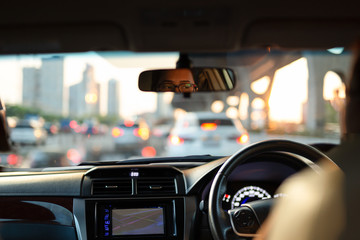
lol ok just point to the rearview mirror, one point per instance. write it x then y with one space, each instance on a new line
187 80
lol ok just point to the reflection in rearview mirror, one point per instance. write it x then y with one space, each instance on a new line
187 80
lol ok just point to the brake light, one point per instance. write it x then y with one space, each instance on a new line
53 129
176 140
73 124
244 138
148 152
117 132
129 123
143 133
12 159
74 156
208 126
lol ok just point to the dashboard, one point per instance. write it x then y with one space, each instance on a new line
142 201
255 181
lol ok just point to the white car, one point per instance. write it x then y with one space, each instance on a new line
197 133
28 133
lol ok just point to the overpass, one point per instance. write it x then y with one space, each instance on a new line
250 66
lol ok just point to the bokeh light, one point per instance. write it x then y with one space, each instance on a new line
261 85
232 101
232 112
217 106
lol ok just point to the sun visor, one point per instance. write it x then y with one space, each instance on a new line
61 38
301 33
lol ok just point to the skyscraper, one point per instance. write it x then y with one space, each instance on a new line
113 98
52 85
84 97
43 88
31 90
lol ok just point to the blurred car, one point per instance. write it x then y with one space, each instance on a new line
28 132
130 137
206 133
159 133
89 128
48 158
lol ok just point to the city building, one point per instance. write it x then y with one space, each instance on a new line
38 81
84 97
113 98
31 90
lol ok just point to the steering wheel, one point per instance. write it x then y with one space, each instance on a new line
245 220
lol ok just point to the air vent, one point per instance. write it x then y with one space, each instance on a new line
112 187
156 186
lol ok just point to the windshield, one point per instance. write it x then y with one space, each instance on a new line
87 106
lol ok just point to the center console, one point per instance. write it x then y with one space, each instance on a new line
131 202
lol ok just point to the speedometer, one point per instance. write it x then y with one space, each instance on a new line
248 194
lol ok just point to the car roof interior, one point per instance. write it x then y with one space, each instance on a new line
187 26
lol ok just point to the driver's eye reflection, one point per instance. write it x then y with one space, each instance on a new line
182 87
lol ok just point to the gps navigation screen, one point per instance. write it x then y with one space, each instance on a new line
137 221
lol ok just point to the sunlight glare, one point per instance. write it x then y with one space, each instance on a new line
289 92
333 83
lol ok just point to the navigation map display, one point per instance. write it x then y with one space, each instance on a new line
137 221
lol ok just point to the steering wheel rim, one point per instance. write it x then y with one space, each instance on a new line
219 220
